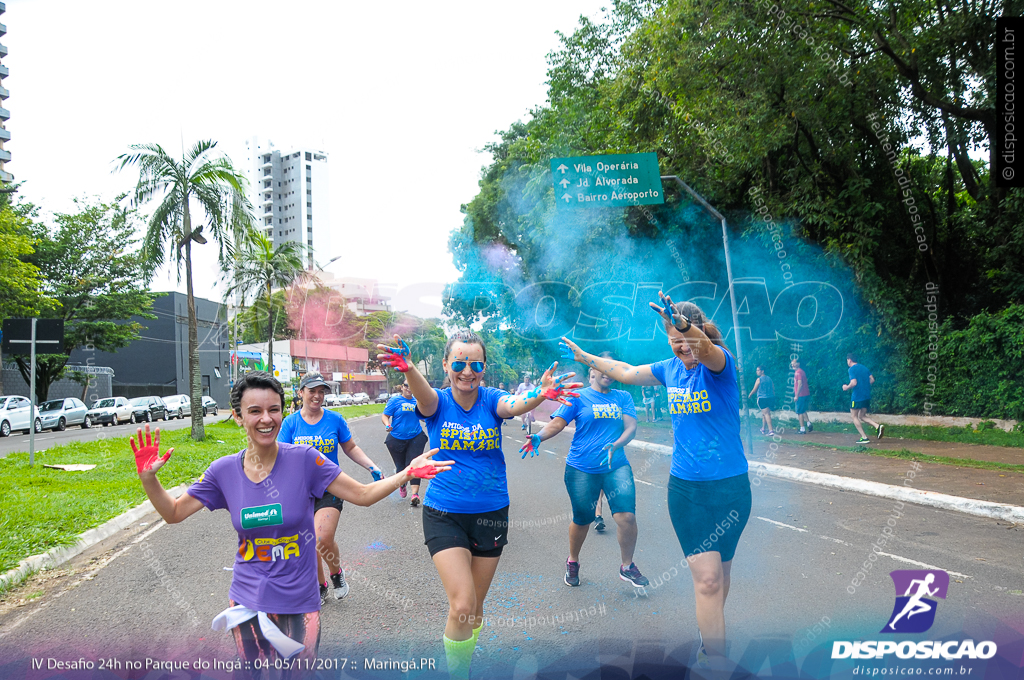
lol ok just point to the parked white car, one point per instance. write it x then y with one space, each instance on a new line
360 398
57 414
345 399
14 415
178 406
332 400
112 410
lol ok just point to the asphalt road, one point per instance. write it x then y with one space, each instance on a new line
18 442
802 547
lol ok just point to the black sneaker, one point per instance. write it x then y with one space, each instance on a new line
810 428
863 440
599 524
323 594
633 575
880 428
572 573
340 587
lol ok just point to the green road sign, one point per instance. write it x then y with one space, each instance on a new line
617 180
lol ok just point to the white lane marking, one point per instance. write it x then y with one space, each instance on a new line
895 557
788 526
550 451
517 441
835 540
922 564
647 483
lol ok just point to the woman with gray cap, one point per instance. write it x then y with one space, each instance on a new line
326 431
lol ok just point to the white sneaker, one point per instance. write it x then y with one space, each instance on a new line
340 585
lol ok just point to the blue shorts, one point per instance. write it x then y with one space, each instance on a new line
801 404
866 404
585 488
709 516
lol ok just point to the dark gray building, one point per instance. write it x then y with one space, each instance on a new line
157 363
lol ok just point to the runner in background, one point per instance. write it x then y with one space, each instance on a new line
269 489
605 422
802 397
765 389
598 519
465 521
325 431
406 439
860 384
708 489
647 393
524 387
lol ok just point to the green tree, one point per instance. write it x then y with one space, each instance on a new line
853 122
253 319
19 278
219 190
89 265
259 267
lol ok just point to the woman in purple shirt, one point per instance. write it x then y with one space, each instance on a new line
269 488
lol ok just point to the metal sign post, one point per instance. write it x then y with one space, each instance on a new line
16 334
732 299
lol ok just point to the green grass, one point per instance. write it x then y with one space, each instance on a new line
358 410
43 508
932 433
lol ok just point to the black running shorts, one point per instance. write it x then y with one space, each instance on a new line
483 534
328 500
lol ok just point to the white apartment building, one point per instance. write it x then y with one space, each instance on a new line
288 192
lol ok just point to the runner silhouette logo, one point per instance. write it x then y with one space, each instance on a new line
914 611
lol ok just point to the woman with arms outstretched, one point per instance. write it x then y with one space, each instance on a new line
269 487
708 486
465 513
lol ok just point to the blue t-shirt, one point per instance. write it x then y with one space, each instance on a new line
598 422
405 424
476 483
705 410
862 390
326 436
765 388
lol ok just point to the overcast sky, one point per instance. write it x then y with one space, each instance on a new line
402 96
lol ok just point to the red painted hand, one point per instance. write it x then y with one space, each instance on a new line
425 468
395 356
147 453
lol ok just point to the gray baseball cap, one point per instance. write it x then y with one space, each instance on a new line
312 380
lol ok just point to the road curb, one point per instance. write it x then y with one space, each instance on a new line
58 556
970 506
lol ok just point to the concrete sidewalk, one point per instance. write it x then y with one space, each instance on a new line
997 486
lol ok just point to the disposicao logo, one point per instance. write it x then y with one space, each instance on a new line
914 612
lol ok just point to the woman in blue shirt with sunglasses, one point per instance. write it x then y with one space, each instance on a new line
465 521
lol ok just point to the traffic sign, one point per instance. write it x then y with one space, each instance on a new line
616 180
17 336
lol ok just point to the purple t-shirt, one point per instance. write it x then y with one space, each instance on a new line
275 564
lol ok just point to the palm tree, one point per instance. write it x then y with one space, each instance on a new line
259 267
220 192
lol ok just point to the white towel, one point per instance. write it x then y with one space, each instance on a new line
232 616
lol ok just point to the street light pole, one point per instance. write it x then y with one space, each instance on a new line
732 299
